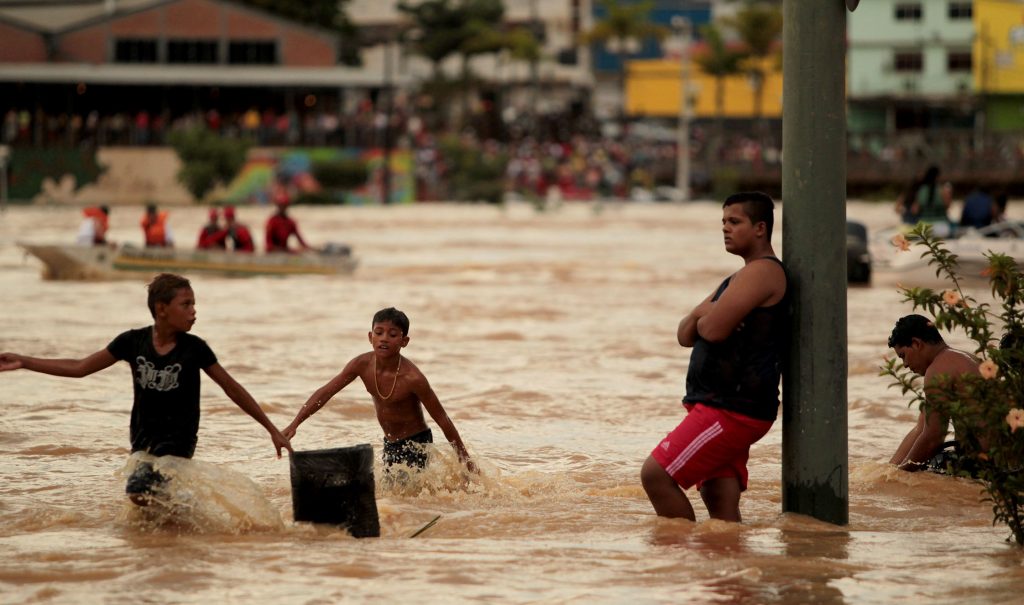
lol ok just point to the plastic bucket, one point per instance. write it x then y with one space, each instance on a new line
336 486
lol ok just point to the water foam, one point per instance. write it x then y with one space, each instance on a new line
200 497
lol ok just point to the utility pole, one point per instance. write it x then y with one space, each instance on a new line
5 154
815 466
389 106
684 29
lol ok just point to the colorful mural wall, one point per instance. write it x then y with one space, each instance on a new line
268 171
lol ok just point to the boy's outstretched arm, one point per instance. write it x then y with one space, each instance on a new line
244 400
72 368
322 395
430 401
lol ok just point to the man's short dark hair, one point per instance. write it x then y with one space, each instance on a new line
758 207
163 289
393 315
914 326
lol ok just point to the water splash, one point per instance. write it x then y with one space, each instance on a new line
200 497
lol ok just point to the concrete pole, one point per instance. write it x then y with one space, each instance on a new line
5 153
684 29
389 109
814 431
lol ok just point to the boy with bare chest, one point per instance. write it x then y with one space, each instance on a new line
399 391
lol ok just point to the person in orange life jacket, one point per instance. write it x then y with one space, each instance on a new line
212 235
239 234
155 229
93 230
280 228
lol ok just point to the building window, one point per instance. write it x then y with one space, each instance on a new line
908 62
192 51
960 10
958 61
908 11
133 50
256 52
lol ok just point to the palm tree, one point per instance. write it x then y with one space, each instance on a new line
433 32
522 45
759 26
623 26
720 61
443 28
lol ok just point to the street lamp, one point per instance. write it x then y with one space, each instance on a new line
5 153
684 32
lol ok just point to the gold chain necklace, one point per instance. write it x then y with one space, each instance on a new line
393 384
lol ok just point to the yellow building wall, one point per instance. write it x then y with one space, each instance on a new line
998 53
653 89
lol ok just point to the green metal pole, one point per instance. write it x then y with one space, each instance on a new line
814 430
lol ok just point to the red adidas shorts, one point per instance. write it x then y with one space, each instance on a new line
710 443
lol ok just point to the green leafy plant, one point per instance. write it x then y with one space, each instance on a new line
986 410
476 175
207 159
337 177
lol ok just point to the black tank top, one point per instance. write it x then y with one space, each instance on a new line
741 373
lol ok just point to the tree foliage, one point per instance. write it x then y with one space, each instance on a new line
207 159
624 21
718 60
759 27
325 14
439 29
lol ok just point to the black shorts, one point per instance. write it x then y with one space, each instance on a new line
410 451
144 480
951 461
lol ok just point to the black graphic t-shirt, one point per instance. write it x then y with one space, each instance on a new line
165 414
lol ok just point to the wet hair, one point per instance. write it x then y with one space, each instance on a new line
393 315
910 327
758 207
163 289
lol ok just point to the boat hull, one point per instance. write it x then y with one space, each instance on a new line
71 262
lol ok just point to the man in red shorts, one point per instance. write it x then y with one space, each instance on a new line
738 334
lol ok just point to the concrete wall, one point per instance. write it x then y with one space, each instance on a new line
133 175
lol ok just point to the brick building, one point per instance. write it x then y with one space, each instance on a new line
70 59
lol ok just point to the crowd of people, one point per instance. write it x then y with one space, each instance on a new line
582 162
263 126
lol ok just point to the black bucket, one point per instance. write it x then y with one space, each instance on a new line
336 486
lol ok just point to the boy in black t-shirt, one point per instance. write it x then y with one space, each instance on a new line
165 361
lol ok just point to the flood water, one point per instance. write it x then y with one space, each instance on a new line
550 340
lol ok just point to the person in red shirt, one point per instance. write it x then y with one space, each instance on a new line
239 234
281 227
212 236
